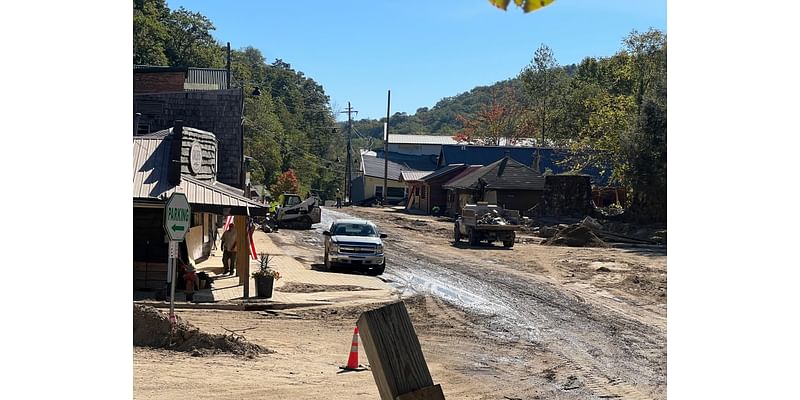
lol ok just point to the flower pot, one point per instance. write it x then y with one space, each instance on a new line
264 286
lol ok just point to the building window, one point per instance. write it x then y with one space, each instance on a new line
395 192
422 192
378 191
142 128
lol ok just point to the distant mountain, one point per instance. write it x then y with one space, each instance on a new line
442 118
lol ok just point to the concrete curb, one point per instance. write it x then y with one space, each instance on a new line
232 307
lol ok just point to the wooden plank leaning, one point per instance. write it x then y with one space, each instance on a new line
395 355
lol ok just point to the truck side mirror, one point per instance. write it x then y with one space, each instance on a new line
383 236
326 233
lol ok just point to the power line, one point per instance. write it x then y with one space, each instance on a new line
286 143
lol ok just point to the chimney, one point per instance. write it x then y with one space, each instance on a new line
228 68
175 153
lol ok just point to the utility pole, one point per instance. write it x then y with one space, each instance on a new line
386 149
228 67
348 170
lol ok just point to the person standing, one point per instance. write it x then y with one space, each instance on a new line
229 251
338 199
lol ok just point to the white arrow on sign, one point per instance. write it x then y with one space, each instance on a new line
177 216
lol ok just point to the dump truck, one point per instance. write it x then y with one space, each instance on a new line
486 222
297 213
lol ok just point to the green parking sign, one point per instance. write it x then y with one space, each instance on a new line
177 216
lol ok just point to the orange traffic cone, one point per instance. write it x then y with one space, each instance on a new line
352 360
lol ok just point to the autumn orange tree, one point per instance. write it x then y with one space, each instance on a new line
496 123
286 183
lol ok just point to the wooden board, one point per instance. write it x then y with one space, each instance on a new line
428 393
393 350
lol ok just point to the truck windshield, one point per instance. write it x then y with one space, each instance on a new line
354 230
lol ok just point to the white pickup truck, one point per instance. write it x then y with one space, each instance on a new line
355 243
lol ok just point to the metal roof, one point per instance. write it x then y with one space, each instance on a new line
151 161
464 172
421 139
373 165
551 158
505 173
414 162
413 175
450 169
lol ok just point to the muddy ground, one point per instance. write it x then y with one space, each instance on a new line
528 322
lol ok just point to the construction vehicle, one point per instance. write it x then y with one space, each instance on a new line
296 213
486 222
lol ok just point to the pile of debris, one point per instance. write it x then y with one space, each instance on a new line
586 233
152 328
492 217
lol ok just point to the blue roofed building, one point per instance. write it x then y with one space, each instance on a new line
552 160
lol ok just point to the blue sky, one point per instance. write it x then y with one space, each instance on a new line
422 51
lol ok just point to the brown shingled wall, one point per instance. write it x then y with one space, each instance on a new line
158 82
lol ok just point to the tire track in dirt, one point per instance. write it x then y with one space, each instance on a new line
608 348
599 346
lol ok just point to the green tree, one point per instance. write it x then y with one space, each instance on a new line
149 32
190 42
545 84
618 108
645 146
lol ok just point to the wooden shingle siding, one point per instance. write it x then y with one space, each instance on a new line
208 143
217 111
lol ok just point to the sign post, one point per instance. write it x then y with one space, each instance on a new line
177 221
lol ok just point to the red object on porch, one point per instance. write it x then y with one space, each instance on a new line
252 245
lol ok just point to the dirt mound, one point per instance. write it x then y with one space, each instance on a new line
151 328
575 236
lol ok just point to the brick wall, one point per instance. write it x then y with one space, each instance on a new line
215 111
156 82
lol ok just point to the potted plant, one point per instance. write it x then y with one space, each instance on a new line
265 276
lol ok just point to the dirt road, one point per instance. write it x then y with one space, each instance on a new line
599 314
528 322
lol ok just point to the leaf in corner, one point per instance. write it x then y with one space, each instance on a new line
533 5
502 4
